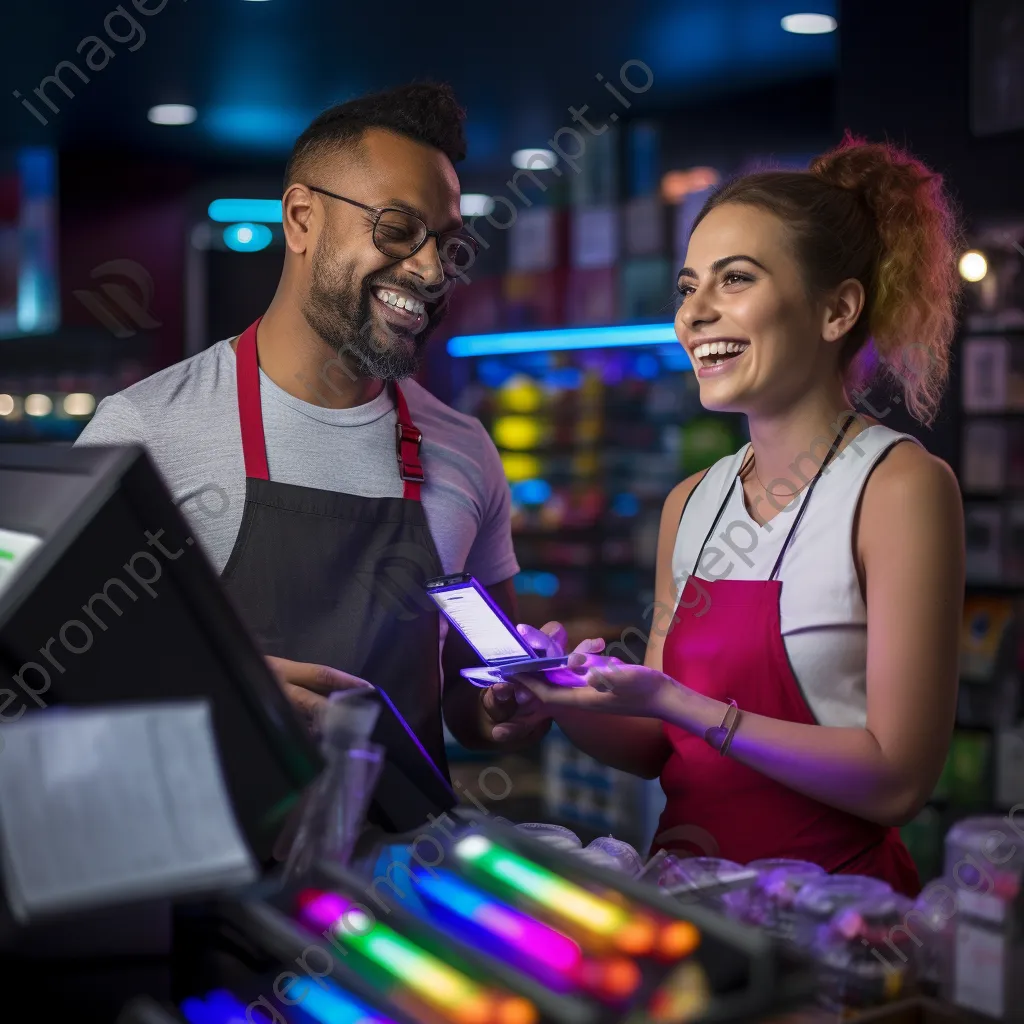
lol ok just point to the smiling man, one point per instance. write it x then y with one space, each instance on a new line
338 490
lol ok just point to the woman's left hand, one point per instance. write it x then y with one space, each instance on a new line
611 686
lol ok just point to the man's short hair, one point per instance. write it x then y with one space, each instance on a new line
426 112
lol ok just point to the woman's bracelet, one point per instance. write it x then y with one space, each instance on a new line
720 736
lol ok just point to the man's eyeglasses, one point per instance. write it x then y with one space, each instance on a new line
400 235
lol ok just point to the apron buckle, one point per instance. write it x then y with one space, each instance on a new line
409 467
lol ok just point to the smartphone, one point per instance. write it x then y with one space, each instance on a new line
470 609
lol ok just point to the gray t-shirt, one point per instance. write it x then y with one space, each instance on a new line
187 418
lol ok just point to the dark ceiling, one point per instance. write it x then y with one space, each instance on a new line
259 71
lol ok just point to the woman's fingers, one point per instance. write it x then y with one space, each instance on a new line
548 642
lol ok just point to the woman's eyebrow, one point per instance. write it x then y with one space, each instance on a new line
719 265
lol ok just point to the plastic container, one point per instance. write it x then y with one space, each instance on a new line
710 881
821 899
558 836
866 954
335 806
618 855
769 903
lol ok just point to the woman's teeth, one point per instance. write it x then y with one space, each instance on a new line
400 301
713 352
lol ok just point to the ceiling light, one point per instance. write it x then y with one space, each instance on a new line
172 113
973 266
6 405
809 24
476 204
534 159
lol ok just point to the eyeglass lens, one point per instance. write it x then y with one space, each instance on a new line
398 234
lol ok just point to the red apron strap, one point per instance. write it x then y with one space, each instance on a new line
409 440
250 412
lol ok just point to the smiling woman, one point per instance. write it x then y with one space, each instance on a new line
805 708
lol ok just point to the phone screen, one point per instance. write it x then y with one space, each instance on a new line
482 627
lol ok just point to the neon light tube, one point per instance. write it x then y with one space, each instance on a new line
561 340
544 886
535 939
332 1006
228 211
434 981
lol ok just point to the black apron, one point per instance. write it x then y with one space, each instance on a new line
337 579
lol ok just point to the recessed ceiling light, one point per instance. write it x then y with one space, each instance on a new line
809 24
534 159
476 204
172 113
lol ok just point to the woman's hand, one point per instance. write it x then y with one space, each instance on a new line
611 686
515 712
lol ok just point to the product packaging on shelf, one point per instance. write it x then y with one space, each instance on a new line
984 867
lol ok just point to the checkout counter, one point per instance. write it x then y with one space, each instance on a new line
140 885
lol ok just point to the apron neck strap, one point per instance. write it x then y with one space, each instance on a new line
409 440
250 414
250 411
807 497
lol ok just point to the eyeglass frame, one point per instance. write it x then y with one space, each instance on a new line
379 212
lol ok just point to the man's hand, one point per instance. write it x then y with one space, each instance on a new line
307 686
508 720
514 712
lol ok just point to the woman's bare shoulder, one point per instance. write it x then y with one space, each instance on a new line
677 497
910 481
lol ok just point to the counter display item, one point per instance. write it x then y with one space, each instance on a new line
821 899
865 955
501 927
983 871
769 900
710 881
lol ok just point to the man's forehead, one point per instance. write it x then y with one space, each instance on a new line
402 167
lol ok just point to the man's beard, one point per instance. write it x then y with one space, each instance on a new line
338 309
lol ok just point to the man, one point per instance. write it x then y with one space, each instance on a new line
339 491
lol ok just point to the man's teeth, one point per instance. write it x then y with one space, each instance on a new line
400 301
717 351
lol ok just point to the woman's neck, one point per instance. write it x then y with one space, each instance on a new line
789 447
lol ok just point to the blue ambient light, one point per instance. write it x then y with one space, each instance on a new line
226 211
562 340
247 237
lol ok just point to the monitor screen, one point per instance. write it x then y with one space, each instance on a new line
105 598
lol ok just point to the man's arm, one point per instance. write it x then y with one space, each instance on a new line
472 712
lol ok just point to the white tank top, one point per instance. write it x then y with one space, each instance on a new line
824 618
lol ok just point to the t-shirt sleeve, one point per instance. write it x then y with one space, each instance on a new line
116 421
492 557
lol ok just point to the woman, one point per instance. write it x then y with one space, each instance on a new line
799 688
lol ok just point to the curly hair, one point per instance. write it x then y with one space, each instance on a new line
873 212
425 112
